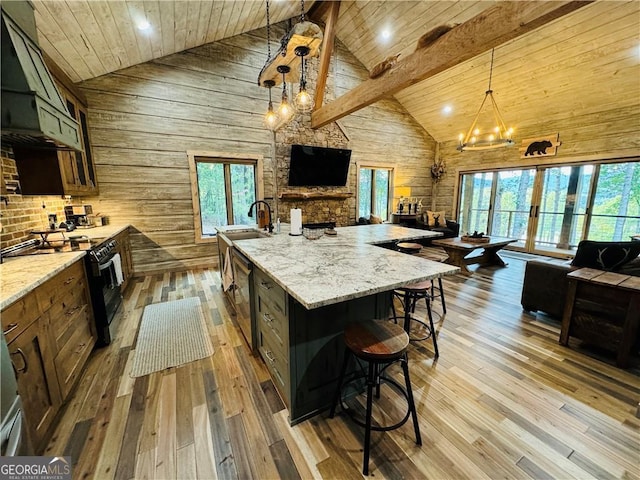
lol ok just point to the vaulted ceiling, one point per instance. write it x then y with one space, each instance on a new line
583 63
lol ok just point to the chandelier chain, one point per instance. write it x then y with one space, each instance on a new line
302 12
268 33
491 69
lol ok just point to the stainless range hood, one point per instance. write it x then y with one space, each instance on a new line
33 112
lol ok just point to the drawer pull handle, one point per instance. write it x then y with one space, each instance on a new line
270 356
69 280
266 285
267 317
24 361
10 328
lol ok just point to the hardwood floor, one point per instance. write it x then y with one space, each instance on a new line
504 400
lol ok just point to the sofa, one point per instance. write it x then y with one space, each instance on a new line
451 230
545 281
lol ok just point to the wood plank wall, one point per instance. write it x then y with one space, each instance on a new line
144 118
609 134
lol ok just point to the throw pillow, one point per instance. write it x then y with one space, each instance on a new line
374 219
436 219
607 256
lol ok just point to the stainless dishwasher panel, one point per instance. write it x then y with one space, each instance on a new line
243 294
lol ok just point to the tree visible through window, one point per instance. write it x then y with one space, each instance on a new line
373 192
225 190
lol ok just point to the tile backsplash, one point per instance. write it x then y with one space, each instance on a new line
21 214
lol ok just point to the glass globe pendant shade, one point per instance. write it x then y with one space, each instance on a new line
271 117
303 101
285 109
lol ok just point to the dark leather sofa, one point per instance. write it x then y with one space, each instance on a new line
545 281
450 231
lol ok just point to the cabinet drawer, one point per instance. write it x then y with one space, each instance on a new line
62 315
17 317
267 287
73 354
54 289
270 319
276 364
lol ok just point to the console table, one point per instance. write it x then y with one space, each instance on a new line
602 308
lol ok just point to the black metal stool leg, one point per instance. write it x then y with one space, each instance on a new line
444 305
407 312
412 405
367 432
433 330
336 397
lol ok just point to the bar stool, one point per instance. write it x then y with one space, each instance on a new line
409 296
380 344
412 249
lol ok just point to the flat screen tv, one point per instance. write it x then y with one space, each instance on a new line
318 166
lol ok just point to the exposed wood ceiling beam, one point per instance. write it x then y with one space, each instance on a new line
327 50
492 27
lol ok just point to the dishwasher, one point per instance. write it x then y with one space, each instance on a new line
243 293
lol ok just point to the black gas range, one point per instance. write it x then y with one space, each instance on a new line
104 274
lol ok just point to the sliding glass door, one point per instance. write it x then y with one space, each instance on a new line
560 213
550 209
497 203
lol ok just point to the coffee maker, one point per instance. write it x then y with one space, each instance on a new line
80 215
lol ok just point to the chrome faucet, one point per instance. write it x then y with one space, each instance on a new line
270 214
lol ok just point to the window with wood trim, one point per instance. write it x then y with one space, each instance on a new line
222 189
374 191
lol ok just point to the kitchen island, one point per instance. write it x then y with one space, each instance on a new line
304 293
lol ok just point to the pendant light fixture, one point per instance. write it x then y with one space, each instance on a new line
304 102
271 117
499 137
285 110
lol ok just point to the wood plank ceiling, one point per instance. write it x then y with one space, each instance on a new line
580 64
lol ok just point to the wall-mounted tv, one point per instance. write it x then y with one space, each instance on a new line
318 166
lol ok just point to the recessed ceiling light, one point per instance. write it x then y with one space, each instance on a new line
386 34
144 25
447 109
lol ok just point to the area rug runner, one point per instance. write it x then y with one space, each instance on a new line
171 334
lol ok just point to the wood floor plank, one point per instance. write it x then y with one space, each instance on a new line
203 443
128 448
167 443
184 406
243 457
186 468
225 464
108 459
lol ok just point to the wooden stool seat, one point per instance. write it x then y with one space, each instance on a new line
408 247
425 285
376 340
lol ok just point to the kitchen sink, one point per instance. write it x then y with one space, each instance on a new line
245 234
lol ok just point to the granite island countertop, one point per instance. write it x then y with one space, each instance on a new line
333 269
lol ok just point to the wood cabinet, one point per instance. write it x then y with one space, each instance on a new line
50 333
302 348
124 249
32 358
52 172
603 309
272 323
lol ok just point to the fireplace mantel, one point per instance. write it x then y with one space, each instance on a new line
315 195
